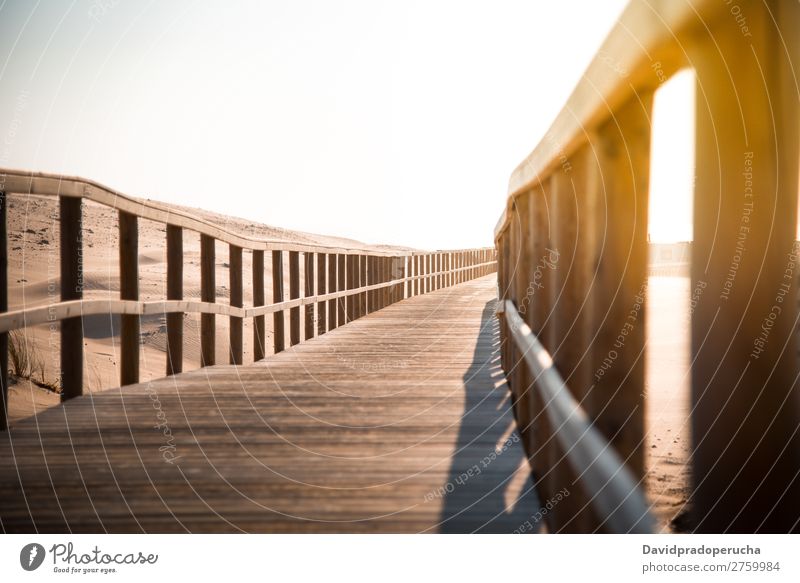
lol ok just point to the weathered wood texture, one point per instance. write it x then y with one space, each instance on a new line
174 292
208 323
593 170
70 223
259 325
236 291
129 290
3 308
375 427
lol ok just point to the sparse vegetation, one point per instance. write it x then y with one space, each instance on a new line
27 362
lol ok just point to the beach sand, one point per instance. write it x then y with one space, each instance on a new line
668 439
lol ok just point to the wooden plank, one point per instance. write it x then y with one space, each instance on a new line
308 260
574 225
745 418
341 309
174 292
348 462
130 327
71 259
278 330
208 293
648 32
618 496
351 284
294 293
415 272
236 300
3 309
259 331
616 400
322 307
362 281
333 285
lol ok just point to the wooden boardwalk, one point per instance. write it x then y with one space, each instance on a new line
397 422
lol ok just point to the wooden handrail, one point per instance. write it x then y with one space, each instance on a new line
572 249
341 284
50 184
617 495
648 32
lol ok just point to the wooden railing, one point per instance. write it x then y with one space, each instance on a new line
572 249
341 284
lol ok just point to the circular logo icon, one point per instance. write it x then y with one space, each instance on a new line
31 556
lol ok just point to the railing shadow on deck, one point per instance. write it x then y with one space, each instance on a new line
482 493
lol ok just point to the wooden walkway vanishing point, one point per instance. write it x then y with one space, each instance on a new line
399 421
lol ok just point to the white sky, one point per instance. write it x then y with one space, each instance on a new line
386 122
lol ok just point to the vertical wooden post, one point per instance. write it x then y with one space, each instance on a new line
208 293
351 280
278 324
70 224
746 403
370 279
531 416
341 273
332 287
237 301
129 290
428 271
362 298
322 312
174 292
573 206
401 268
616 401
416 274
259 335
308 259
3 308
387 277
294 293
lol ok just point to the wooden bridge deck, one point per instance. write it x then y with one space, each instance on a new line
398 422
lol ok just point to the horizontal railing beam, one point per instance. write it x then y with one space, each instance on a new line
16 319
608 482
49 184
